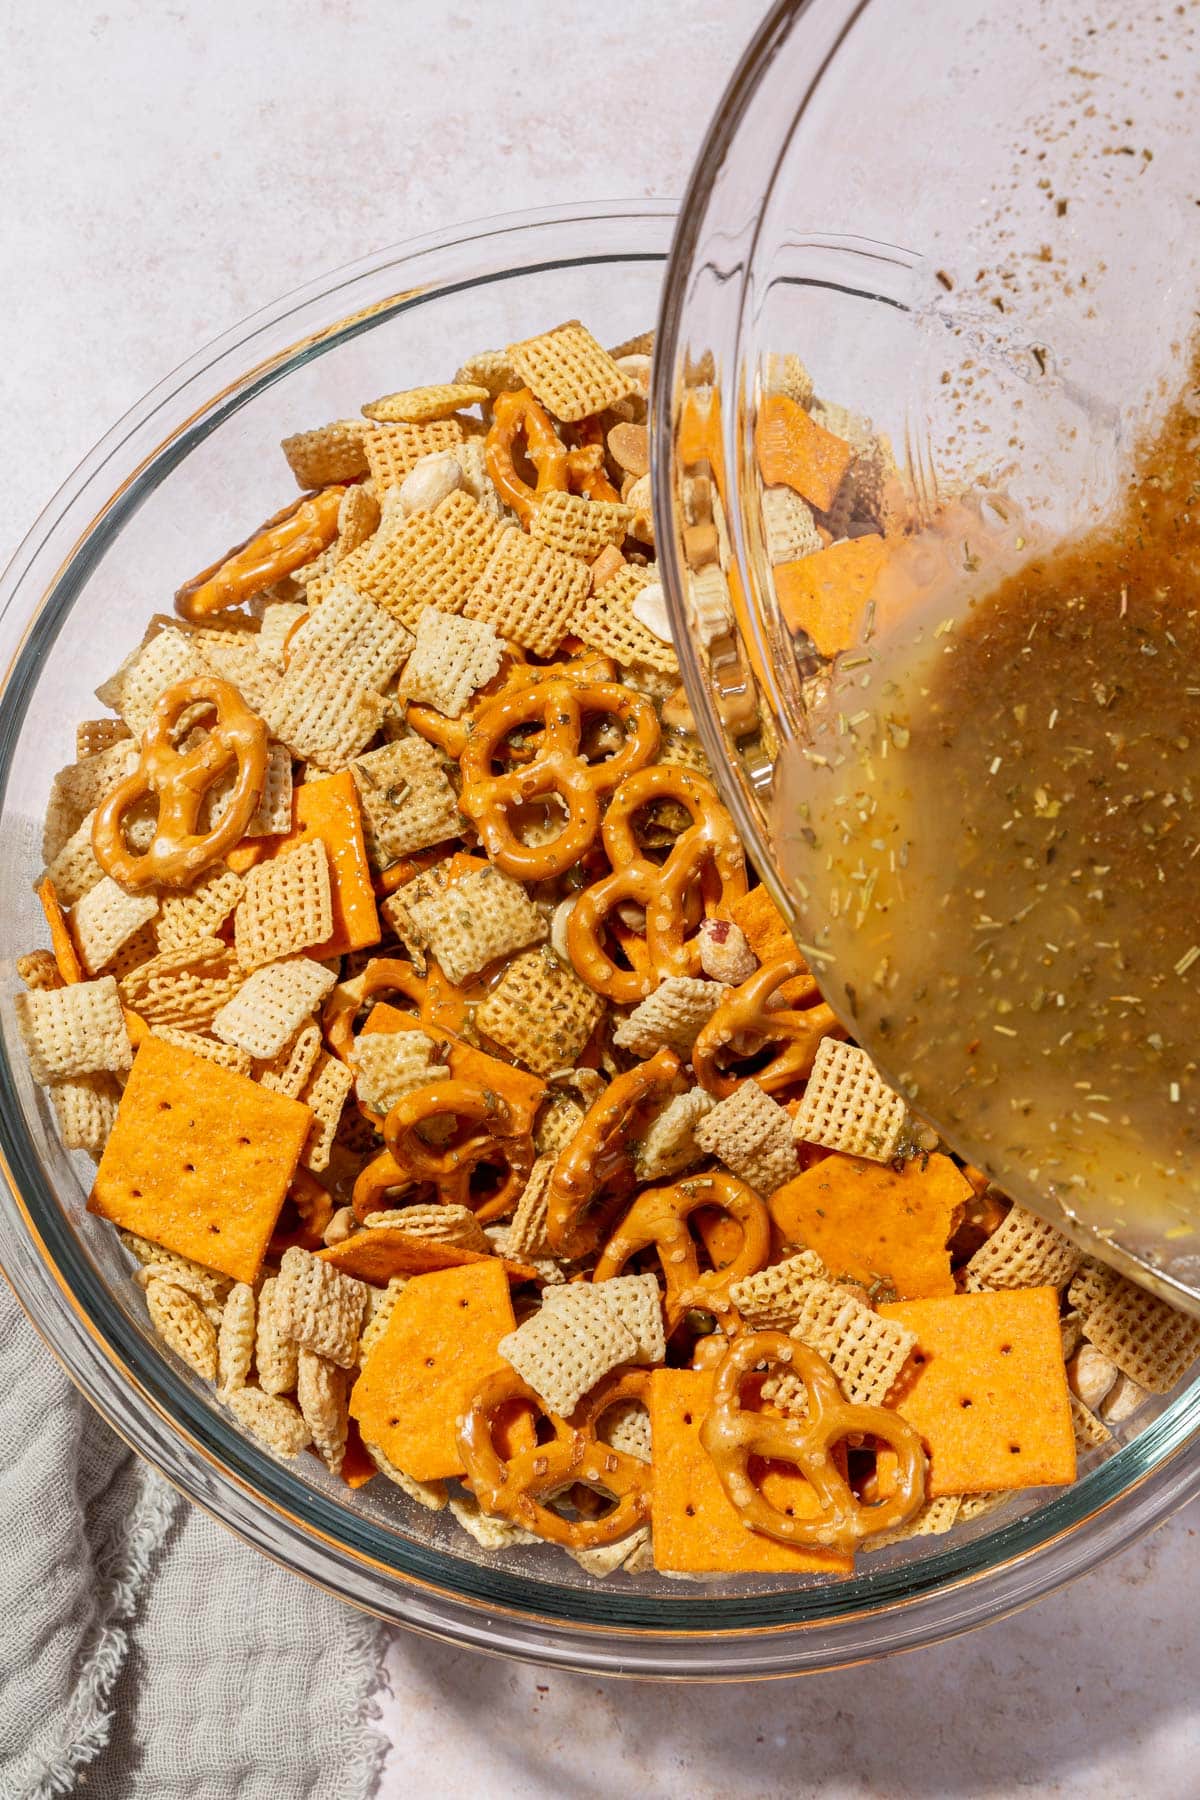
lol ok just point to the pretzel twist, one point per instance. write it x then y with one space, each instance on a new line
516 1486
747 1015
518 418
180 781
704 872
286 542
558 768
659 1218
487 1130
598 1162
732 1437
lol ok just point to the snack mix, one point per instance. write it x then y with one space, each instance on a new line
468 1114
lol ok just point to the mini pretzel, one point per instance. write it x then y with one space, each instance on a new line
558 768
518 417
659 1217
732 1437
704 871
286 542
488 1131
516 1487
382 975
747 1014
599 1157
179 781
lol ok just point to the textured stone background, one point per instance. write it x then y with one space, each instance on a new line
168 168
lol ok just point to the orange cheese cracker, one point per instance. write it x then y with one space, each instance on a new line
826 594
696 1529
199 1159
61 941
764 925
888 1229
381 1251
988 1390
794 451
328 809
419 1377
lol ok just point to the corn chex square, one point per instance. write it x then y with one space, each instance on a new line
1152 1343
393 451
226 1056
633 1299
75 870
848 1106
776 1297
106 918
1024 1251
288 1072
606 621
752 1136
199 912
184 986
328 454
86 1108
269 1008
530 594
569 372
285 905
576 526
417 406
865 1352
168 657
236 657
790 529
540 1012
73 1031
473 526
481 918
319 1307
273 814
527 1229
452 658
77 791
95 735
325 1094
390 1064
279 621
672 1016
671 1141
324 722
563 1354
405 798
349 632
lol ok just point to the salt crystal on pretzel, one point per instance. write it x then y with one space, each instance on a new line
417 406
848 1106
1152 1343
73 1031
235 1338
319 1308
633 1299
285 906
349 632
452 658
271 1005
327 455
867 1353
527 1228
569 372
529 593
324 722
274 1421
1024 1252
390 1064
539 1012
606 620
325 1094
86 1109
181 1324
184 986
226 1056
288 1072
577 526
481 918
752 1136
672 1015
199 911
105 918
321 1394
75 870
789 525
563 1353
775 1298
393 450
275 1355
670 1142
406 800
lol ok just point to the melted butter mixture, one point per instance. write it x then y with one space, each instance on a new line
994 835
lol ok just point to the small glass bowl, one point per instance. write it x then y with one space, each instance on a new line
181 477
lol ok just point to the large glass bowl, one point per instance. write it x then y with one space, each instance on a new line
180 478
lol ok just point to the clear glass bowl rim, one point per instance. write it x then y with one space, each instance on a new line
606 1631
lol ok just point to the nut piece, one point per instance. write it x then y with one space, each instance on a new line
629 446
342 1225
1123 1399
638 496
650 609
725 953
429 481
1091 1375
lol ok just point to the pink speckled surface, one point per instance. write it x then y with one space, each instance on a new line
168 169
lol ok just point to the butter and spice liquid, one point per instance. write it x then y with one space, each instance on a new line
994 834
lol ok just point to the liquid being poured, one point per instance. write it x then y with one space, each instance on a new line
994 837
